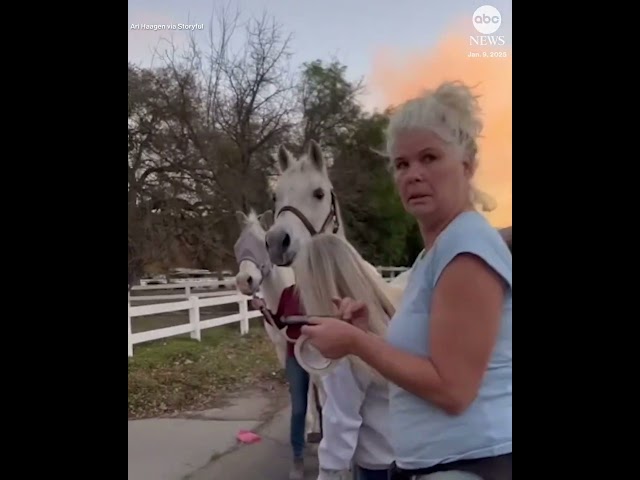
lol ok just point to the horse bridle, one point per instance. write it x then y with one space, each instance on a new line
332 216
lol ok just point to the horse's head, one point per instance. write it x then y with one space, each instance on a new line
250 251
305 204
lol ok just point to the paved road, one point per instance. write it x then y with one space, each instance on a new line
267 460
202 445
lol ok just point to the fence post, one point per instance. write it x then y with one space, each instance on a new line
129 336
244 314
194 317
187 291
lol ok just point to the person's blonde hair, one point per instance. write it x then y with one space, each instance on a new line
453 112
328 267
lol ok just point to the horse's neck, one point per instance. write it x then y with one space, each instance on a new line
373 269
341 231
273 285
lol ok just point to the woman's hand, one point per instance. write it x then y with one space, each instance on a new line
257 303
332 337
353 311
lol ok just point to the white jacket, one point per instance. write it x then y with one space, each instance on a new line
355 420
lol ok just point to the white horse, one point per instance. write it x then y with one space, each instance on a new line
306 205
257 274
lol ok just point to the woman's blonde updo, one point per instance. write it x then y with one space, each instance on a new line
453 112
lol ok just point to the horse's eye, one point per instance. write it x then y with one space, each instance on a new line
318 193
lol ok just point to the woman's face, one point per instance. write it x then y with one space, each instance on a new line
430 174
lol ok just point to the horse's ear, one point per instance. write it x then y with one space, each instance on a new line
241 217
284 158
316 156
266 219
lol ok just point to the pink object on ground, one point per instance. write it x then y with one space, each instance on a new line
246 436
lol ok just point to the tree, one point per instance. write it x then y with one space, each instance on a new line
328 103
245 106
201 129
157 166
377 222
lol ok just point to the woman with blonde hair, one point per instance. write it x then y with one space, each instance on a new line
447 351
355 413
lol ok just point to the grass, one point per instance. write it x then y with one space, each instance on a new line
177 374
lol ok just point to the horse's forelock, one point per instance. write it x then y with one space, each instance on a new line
307 163
252 224
252 217
298 165
301 168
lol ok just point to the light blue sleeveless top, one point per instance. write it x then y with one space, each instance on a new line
422 434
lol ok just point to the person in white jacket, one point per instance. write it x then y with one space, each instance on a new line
355 426
355 414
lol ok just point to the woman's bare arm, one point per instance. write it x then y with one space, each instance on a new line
465 318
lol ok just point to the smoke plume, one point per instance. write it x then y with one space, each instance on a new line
398 77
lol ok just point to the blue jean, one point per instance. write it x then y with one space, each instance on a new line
298 380
366 474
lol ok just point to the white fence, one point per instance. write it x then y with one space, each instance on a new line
184 290
196 324
391 271
194 301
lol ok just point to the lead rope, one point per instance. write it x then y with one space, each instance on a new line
267 315
297 344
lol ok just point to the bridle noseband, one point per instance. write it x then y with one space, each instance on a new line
332 216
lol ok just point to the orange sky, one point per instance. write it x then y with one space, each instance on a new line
397 77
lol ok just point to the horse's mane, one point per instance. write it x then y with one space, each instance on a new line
327 267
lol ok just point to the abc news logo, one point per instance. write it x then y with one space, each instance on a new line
487 20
